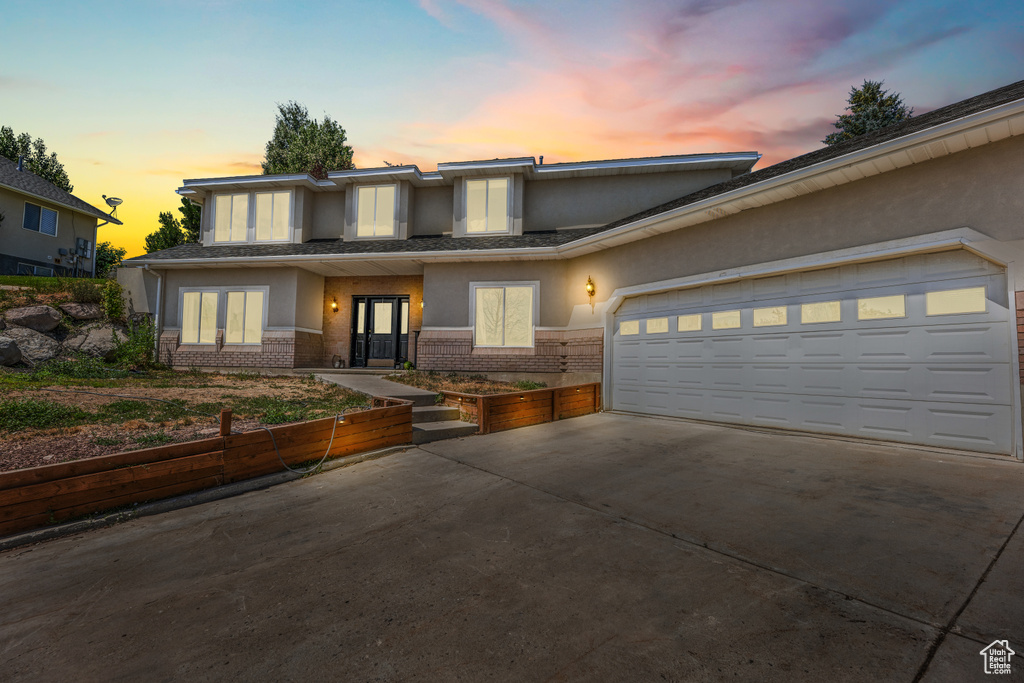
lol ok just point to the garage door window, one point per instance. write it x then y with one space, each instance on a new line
882 307
627 328
769 317
725 320
820 312
955 301
689 323
657 326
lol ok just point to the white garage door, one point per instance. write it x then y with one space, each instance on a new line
915 349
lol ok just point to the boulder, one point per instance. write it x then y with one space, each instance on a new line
9 351
38 318
82 311
35 347
96 340
3 325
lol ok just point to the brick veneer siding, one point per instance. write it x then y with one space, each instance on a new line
1020 332
279 349
338 326
553 351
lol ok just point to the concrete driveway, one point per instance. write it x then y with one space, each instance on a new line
606 547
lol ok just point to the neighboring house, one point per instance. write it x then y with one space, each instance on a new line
863 289
45 230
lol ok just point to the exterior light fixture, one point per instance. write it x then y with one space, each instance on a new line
591 291
334 304
421 303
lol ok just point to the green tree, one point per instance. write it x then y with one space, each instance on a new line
190 220
44 165
870 108
168 235
303 145
107 256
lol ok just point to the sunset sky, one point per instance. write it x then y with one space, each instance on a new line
136 96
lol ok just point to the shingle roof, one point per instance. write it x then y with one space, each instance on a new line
957 110
421 244
29 182
413 245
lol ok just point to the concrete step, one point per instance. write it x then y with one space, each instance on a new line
419 400
447 429
421 414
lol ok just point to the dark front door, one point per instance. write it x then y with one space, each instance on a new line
380 331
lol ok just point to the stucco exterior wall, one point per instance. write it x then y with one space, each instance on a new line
432 210
328 215
40 249
282 302
309 300
595 201
979 189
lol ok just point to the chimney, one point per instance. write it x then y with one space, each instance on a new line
21 163
541 160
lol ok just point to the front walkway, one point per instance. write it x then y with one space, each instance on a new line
605 547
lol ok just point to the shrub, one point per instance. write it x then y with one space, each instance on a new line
18 414
136 351
78 366
528 385
113 301
84 291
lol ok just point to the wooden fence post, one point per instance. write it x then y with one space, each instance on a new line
225 422
556 408
483 410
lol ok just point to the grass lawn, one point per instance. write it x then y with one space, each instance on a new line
45 416
471 384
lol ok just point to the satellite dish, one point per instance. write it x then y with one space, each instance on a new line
113 202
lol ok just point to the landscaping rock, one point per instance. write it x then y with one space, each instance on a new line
96 340
37 318
82 311
9 351
3 325
35 347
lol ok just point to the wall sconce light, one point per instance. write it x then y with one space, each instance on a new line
421 303
591 291
334 304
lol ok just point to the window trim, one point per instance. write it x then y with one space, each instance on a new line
181 315
38 230
289 229
395 211
250 212
535 284
510 191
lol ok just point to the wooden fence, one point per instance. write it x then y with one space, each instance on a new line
498 412
37 496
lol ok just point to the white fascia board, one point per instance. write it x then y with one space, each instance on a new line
255 181
957 126
725 160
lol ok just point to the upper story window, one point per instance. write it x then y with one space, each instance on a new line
40 219
273 215
231 218
487 205
375 211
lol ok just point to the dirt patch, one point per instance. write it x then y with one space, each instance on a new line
464 384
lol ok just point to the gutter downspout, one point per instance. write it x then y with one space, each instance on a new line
159 309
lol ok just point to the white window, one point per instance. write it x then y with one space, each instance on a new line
231 218
199 317
487 205
656 325
769 317
881 307
40 219
273 215
955 301
820 312
627 328
375 211
29 269
243 323
688 323
503 315
725 320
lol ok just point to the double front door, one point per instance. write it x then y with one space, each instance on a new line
380 331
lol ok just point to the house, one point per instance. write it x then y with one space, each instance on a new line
864 289
44 230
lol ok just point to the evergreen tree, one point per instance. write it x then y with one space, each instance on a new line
303 145
870 108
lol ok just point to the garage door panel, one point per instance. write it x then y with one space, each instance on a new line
941 379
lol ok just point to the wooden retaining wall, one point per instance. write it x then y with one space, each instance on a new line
37 496
498 412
